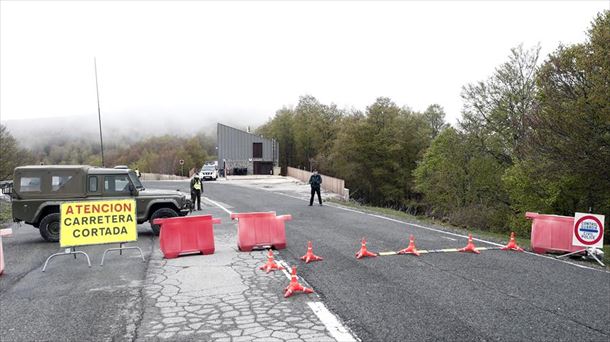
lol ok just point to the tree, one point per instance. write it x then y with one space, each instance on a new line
459 182
315 127
11 155
569 142
376 152
435 116
281 129
495 110
305 134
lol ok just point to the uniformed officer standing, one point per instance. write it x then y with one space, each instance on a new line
196 190
315 180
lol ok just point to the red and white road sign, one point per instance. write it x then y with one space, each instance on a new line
588 230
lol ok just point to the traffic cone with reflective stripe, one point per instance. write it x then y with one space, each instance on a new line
469 247
411 248
309 256
294 285
512 244
271 265
363 252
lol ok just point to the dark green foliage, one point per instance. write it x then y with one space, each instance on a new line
462 183
281 129
539 138
376 153
305 134
11 155
435 116
566 154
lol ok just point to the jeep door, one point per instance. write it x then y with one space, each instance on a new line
120 186
116 186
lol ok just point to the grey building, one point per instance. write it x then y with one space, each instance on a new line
241 152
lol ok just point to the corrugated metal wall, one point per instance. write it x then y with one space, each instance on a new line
235 147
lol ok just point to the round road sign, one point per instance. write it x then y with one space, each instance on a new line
588 230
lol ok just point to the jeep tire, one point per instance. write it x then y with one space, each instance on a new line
49 227
161 213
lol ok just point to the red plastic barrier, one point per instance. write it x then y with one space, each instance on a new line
552 233
186 235
3 232
262 230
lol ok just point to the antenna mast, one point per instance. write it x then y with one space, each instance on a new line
99 115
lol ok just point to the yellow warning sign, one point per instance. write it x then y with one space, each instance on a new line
97 222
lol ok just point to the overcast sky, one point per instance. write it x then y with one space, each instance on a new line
249 59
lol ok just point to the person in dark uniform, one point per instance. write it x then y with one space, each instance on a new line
196 191
314 181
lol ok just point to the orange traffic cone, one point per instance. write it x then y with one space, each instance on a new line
363 252
411 249
512 244
294 285
309 256
271 265
469 247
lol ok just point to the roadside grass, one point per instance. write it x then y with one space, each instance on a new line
496 237
6 216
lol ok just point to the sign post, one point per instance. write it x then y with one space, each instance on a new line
97 222
588 232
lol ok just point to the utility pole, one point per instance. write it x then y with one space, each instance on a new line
99 114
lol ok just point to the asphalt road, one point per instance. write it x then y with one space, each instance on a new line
70 301
503 296
497 295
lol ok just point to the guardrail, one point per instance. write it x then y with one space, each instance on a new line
330 184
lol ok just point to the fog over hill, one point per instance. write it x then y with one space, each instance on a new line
121 128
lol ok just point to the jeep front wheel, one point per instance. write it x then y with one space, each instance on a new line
161 213
49 227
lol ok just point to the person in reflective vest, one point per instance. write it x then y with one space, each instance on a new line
196 190
138 173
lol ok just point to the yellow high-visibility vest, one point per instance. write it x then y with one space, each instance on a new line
197 185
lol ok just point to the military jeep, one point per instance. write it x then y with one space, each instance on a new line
39 190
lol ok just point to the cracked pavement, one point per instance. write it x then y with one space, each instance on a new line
495 296
224 297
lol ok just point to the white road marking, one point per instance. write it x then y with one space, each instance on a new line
433 229
218 205
337 330
287 269
347 209
481 240
448 238
445 232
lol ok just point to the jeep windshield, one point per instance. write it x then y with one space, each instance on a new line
208 168
135 180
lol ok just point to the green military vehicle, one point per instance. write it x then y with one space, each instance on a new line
39 190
